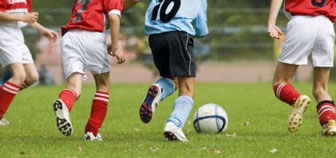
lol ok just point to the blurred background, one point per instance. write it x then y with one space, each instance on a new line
238 48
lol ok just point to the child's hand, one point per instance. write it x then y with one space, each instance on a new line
274 31
50 34
30 17
118 54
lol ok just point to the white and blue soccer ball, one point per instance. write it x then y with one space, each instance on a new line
210 118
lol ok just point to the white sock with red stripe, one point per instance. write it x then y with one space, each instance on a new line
326 111
7 94
98 112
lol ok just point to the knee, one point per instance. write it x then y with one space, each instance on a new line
19 77
32 78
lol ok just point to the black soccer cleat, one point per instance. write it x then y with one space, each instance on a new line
150 103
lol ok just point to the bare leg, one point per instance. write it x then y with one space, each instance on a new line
32 74
320 84
102 82
186 86
18 73
74 82
284 73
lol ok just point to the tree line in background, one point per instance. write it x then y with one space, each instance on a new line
238 28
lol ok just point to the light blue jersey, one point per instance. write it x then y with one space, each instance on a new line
177 15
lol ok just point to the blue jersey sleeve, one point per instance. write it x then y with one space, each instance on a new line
201 21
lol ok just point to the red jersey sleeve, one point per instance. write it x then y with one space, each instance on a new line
113 6
29 6
3 5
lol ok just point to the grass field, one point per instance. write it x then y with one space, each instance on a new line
257 125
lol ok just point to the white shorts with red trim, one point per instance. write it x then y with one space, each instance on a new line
307 35
84 50
12 47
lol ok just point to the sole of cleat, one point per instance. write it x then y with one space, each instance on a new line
170 136
146 112
295 118
63 125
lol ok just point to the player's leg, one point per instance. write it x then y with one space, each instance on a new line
31 75
73 61
295 51
288 94
98 64
9 89
157 92
99 106
163 87
182 107
325 106
183 66
282 87
63 105
18 75
323 60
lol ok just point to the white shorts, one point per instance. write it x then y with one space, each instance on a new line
12 47
84 50
307 35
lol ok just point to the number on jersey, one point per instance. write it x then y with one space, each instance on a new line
318 3
164 4
85 3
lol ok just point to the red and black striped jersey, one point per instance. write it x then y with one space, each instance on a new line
91 14
312 8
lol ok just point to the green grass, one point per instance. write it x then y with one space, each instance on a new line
32 132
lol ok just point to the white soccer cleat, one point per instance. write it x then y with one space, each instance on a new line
174 133
62 117
89 136
296 116
4 122
329 129
150 103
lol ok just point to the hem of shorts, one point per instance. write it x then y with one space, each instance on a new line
323 65
6 64
171 76
292 63
81 72
101 72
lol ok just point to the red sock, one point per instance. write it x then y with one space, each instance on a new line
286 93
98 112
24 85
326 111
68 96
7 94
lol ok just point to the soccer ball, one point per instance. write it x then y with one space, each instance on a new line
210 118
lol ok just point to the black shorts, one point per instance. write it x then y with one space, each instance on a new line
173 54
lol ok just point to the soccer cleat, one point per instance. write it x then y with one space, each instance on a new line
62 117
174 133
90 137
3 122
150 103
329 129
296 115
